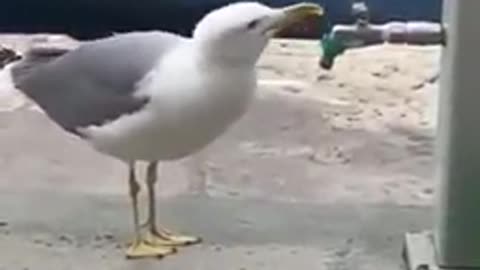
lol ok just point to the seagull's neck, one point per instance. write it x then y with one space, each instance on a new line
208 55
225 73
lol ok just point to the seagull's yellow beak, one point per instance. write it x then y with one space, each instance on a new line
301 10
294 13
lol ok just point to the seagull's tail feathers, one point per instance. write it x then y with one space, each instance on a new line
32 60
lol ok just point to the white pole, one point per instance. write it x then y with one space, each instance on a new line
457 215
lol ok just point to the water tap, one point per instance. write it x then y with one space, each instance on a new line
362 33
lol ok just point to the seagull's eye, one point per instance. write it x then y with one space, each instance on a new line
251 25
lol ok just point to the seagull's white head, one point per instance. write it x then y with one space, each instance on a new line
238 33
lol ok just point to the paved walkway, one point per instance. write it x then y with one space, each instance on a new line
289 187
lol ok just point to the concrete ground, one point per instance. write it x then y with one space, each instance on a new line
328 170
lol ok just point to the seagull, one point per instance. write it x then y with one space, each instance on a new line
153 96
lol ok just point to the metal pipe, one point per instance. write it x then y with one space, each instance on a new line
457 214
413 33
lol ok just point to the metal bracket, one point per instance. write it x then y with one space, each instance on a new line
419 251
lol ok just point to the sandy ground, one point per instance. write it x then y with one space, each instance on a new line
328 169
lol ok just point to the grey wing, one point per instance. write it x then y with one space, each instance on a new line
94 83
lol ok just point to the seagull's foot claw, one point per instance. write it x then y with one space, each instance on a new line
144 249
166 238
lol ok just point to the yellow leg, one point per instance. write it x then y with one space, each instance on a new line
157 235
140 248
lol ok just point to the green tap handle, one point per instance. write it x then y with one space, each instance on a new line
331 48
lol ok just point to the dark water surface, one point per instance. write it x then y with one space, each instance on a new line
90 18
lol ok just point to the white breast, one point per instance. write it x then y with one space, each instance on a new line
189 108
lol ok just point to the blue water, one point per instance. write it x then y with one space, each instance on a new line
339 10
90 16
